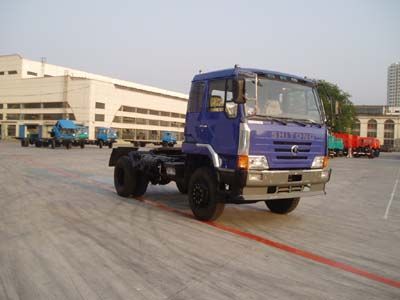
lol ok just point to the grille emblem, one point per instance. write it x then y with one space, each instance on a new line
294 149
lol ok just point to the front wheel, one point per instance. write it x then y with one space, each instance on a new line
101 143
282 206
203 197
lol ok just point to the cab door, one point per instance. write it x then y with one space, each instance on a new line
220 122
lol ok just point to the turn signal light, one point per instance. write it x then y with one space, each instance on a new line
243 162
326 162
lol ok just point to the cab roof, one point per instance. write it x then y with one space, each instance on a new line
67 124
226 73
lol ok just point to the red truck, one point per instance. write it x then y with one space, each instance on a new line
360 146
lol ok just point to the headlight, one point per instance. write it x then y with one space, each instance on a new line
319 162
258 162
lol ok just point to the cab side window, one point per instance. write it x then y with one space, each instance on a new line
196 97
220 98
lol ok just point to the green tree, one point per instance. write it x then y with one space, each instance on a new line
339 110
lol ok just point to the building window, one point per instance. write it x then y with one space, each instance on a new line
141 121
1 105
154 112
100 105
31 105
46 75
1 116
372 128
54 105
13 105
164 123
142 111
128 134
117 119
13 116
128 108
356 127
175 124
141 134
183 116
11 130
154 135
388 133
2 73
31 117
52 117
196 97
32 73
99 117
165 114
71 117
174 115
128 120
154 122
13 72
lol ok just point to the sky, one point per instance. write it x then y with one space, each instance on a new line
165 43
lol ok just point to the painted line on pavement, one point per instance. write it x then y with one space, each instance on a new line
391 196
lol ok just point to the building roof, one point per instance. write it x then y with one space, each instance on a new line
62 71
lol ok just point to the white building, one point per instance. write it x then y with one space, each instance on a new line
36 93
382 122
393 85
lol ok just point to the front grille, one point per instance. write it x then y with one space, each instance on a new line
292 143
290 157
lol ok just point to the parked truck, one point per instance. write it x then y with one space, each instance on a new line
335 146
359 146
63 133
168 139
250 135
106 137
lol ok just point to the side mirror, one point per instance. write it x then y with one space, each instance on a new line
238 88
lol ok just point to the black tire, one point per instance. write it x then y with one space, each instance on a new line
282 206
101 143
68 145
110 145
124 177
82 145
38 144
202 195
53 144
24 143
142 144
140 185
182 187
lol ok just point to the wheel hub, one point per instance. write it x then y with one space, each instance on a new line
200 194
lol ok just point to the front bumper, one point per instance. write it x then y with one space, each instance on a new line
281 184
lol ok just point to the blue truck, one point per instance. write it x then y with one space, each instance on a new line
250 135
63 133
106 137
168 139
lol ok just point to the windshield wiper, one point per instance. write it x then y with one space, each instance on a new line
270 118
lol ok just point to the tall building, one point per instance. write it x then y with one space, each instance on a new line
393 85
37 94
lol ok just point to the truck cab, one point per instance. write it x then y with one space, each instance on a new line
106 136
168 139
250 135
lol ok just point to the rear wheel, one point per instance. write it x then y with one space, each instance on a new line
53 144
140 185
101 143
202 194
282 206
124 177
110 145
82 145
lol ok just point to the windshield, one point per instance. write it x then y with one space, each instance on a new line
112 132
280 99
67 131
